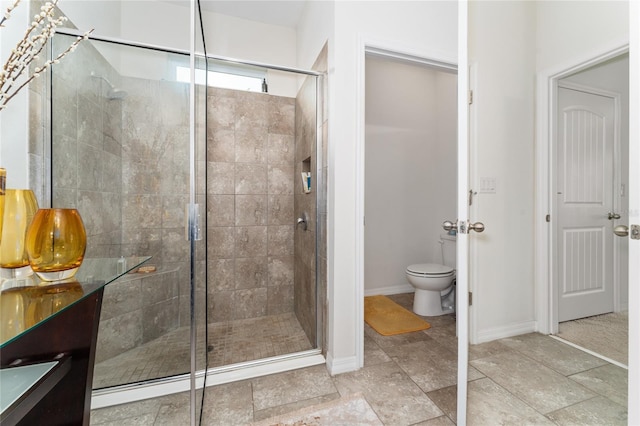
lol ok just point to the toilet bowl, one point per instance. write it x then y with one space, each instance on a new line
431 281
434 282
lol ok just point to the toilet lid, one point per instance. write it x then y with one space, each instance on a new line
433 269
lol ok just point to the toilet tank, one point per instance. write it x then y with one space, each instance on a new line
448 249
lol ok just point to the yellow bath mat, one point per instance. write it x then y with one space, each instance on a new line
388 318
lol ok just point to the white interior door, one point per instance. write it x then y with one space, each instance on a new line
634 214
462 241
585 203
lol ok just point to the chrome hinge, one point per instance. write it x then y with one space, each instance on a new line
470 97
471 194
470 298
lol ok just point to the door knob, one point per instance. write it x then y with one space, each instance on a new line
448 225
478 226
612 216
621 230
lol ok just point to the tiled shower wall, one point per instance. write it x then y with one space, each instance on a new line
87 151
321 65
250 184
305 205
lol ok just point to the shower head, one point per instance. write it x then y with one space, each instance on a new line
116 93
113 92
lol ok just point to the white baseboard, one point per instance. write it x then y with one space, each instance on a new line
396 289
341 365
506 331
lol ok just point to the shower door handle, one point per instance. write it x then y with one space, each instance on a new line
196 229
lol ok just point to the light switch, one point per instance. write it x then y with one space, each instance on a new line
487 185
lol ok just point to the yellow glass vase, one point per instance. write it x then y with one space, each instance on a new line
20 206
56 243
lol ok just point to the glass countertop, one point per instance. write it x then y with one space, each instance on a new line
26 303
18 380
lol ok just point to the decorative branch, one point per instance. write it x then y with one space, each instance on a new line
28 49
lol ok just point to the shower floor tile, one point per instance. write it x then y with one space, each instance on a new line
231 342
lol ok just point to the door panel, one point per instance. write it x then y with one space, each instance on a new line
462 243
584 200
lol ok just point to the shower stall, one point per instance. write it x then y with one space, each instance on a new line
239 292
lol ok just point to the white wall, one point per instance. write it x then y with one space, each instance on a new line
424 28
166 24
410 171
254 41
14 118
103 16
502 147
568 29
316 27
536 36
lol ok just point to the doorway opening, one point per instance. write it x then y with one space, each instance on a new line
582 265
408 159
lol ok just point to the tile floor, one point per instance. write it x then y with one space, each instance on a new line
233 342
410 379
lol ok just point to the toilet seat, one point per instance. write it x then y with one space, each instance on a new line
430 270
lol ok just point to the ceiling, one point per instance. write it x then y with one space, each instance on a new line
284 13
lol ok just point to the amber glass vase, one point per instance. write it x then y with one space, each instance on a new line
20 206
56 242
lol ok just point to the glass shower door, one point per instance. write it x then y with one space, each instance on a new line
121 154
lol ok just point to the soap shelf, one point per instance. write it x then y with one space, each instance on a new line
306 175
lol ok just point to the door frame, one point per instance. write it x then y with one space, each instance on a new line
616 207
546 110
393 50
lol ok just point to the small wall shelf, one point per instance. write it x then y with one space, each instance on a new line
306 175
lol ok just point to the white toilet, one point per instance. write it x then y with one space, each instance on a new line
434 282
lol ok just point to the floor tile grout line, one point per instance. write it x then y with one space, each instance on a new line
520 399
596 393
421 390
578 403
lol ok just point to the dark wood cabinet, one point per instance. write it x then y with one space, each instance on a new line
67 337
